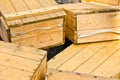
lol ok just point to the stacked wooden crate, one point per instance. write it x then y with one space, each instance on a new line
32 23
88 22
21 63
97 59
66 75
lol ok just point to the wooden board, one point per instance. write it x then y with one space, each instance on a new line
98 59
112 2
64 75
102 21
40 35
25 62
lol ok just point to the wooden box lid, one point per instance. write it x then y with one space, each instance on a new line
18 62
90 8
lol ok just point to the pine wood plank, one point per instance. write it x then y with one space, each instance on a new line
13 61
34 4
43 33
63 75
21 6
105 62
112 2
100 57
82 56
46 3
99 21
7 8
65 55
110 68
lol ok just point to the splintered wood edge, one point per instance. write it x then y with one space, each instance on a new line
51 73
34 12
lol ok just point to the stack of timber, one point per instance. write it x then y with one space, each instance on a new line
21 63
97 59
65 75
90 22
34 23
112 2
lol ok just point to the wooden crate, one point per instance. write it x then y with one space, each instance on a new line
21 63
97 59
90 22
65 75
33 24
112 2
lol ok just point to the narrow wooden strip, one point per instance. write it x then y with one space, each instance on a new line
34 4
65 55
64 75
82 56
111 67
20 6
30 13
99 58
7 8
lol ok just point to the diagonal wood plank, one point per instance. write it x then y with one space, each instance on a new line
65 55
99 58
82 56
20 6
110 68
7 8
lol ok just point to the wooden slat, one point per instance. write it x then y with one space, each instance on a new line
82 56
34 4
98 21
20 6
61 58
113 2
7 8
99 58
44 33
35 12
111 67
46 3
62 75
103 62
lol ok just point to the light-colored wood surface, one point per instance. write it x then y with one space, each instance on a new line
63 75
91 22
34 23
111 2
98 59
39 35
22 63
